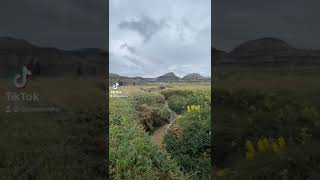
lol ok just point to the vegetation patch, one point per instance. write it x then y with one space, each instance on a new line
179 100
189 140
132 154
153 117
152 111
265 135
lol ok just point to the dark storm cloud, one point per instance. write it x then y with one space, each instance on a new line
294 21
67 24
145 26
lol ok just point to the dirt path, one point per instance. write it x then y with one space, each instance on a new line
158 135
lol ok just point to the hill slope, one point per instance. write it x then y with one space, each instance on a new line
15 53
266 50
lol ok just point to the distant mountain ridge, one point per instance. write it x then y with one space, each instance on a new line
15 53
266 50
168 77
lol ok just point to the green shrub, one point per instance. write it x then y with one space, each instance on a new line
152 117
189 142
169 93
179 101
148 99
151 110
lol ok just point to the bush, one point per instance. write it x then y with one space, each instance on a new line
149 99
152 117
179 101
189 142
151 110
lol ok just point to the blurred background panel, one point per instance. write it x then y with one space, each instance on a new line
52 75
266 58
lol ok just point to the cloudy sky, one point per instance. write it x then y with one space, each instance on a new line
295 21
65 24
150 38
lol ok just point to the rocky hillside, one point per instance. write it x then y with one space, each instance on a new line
266 50
47 61
168 77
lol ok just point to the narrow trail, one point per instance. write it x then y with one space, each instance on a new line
158 135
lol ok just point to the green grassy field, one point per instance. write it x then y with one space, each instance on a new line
154 136
69 144
266 122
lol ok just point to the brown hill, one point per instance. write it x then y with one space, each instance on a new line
266 51
168 77
263 46
46 61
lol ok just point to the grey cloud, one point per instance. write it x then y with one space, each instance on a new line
291 20
145 26
129 48
134 61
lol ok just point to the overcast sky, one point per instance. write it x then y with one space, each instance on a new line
150 38
65 24
295 21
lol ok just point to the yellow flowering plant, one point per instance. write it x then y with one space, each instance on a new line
193 108
265 145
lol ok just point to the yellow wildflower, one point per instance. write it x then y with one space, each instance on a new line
193 108
221 173
282 143
275 147
250 150
266 143
261 146
249 146
188 109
